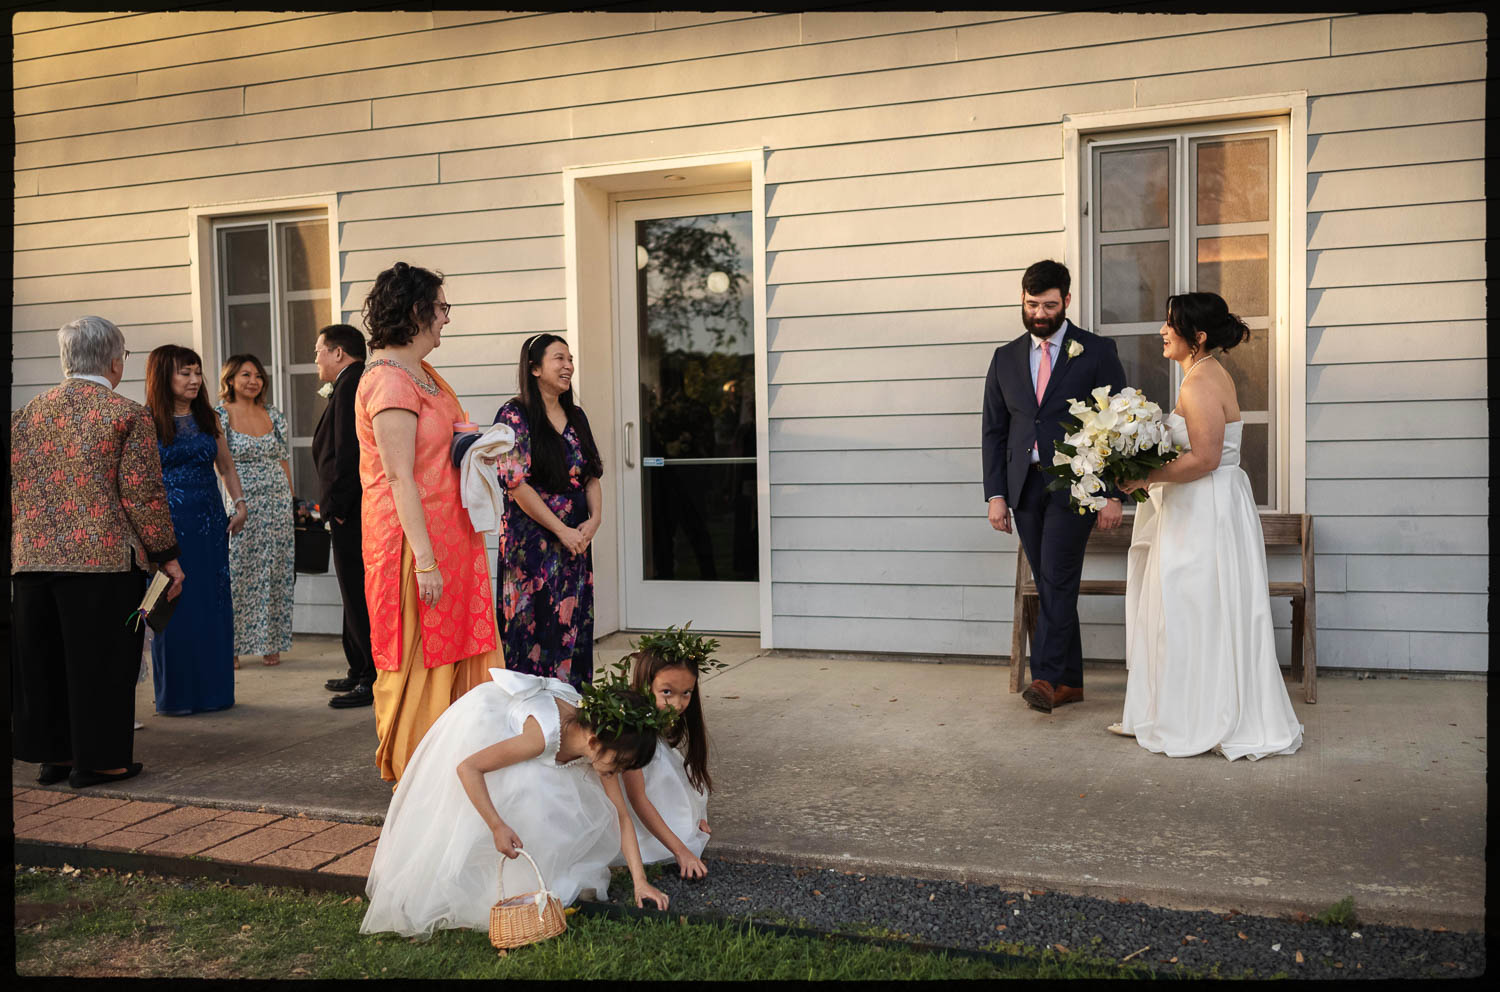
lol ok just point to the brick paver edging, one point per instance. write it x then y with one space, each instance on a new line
179 839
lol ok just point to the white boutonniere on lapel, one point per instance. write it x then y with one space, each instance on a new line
325 390
1074 349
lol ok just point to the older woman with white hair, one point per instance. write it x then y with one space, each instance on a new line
89 517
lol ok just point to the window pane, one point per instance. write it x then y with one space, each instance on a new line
1145 368
247 267
1133 281
1250 367
304 319
305 483
1256 462
247 328
1234 181
1238 269
304 255
1133 193
304 406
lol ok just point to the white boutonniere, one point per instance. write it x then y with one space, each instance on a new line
325 390
1074 349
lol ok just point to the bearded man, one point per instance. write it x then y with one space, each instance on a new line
1026 395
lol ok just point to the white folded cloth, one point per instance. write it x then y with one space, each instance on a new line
479 484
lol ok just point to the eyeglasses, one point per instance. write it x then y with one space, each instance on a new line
446 307
127 353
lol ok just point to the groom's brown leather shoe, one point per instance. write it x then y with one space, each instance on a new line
1067 694
1038 695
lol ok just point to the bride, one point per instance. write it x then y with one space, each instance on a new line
1199 646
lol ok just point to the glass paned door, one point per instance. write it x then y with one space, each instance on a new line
275 295
687 388
1184 212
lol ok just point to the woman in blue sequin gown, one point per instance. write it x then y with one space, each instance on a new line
192 660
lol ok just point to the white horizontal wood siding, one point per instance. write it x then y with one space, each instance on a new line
914 168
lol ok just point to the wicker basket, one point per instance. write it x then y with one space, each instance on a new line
526 918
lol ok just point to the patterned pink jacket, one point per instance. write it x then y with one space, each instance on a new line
85 483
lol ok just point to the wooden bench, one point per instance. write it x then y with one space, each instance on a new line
1281 530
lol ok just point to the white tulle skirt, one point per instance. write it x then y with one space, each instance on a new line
436 866
681 807
1199 643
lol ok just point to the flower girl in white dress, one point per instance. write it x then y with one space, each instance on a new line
669 797
1199 644
534 750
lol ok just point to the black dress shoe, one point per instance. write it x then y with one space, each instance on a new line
360 695
83 779
340 685
50 773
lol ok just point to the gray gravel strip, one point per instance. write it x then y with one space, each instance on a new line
985 917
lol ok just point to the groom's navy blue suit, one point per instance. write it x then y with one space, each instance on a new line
1052 534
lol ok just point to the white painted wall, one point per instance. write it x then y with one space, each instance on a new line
914 169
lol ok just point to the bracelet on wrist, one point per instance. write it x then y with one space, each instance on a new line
417 568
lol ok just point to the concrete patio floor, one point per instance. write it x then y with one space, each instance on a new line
936 770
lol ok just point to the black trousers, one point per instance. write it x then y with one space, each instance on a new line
349 566
74 664
1054 537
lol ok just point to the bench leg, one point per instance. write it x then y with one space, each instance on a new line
1298 608
1017 645
1310 641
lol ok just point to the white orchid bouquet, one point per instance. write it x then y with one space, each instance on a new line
1111 438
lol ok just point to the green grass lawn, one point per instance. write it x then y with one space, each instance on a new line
102 923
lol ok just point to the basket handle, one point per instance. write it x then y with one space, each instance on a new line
543 893
537 871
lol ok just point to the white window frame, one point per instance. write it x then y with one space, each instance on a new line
1289 492
204 223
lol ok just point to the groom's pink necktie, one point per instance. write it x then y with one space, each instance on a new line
1043 373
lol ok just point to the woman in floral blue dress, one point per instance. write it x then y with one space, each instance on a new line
553 508
192 660
261 562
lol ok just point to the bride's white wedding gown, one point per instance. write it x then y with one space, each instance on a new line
1199 645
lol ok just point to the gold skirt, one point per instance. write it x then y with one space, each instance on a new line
409 700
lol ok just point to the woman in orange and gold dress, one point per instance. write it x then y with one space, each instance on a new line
427 580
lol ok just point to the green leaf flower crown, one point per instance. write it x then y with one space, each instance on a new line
676 646
608 707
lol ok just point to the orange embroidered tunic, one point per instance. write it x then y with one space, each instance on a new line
462 622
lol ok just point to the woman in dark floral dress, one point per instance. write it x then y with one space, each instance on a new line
553 508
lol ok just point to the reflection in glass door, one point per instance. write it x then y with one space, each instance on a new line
687 346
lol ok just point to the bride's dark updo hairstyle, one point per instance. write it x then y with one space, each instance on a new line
1189 313
388 307
548 453
632 747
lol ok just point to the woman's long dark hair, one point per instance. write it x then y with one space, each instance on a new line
687 732
549 456
161 365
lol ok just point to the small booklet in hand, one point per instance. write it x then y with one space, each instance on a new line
156 609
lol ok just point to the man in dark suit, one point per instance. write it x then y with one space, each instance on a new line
340 354
1026 396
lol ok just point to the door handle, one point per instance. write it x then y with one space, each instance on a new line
629 437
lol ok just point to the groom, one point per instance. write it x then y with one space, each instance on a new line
1026 396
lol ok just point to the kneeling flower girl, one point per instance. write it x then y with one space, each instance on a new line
519 761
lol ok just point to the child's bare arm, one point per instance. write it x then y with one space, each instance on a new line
527 744
689 865
629 847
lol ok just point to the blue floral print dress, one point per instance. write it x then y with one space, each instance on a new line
545 596
261 561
